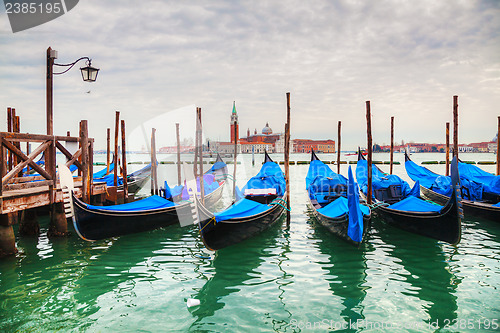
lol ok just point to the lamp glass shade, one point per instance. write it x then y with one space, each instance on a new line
89 73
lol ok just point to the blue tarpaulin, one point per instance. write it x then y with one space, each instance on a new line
152 202
217 166
109 179
490 182
339 207
413 204
321 180
101 173
242 208
269 176
355 227
379 179
442 184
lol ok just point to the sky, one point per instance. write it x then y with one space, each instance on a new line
159 58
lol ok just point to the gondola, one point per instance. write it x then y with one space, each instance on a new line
436 188
259 208
334 201
213 180
135 181
400 205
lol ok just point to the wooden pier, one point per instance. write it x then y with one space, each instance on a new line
22 192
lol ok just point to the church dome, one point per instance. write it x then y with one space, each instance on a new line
267 130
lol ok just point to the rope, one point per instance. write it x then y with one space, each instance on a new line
380 204
277 202
215 222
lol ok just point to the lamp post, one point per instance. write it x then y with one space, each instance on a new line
89 74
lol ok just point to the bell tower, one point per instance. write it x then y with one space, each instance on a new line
234 123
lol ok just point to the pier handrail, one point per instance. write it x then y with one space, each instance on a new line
9 142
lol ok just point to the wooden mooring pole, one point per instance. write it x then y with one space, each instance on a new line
447 149
287 159
498 147
369 162
455 126
339 136
115 158
391 162
108 148
195 162
179 178
154 164
124 164
200 143
235 158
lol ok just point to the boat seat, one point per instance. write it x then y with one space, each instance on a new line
264 199
315 203
390 194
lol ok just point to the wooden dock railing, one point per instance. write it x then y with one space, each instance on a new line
12 175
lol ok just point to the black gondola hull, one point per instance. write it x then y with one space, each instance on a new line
222 234
339 225
95 225
471 208
444 226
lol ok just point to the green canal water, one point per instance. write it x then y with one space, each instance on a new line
292 279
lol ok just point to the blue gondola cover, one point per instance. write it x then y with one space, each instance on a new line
413 204
242 208
152 202
355 227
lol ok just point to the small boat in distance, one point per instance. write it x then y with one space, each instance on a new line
402 206
257 208
334 201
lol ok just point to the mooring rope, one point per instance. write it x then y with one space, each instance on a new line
215 222
277 202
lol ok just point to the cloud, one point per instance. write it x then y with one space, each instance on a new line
409 59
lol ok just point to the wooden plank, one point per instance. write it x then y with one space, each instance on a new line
27 185
23 137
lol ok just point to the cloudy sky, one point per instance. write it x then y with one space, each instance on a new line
407 57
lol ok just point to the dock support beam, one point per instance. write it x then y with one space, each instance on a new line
58 223
7 237
28 226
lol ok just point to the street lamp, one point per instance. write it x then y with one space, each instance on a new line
89 74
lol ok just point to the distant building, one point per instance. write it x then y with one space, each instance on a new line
320 146
267 140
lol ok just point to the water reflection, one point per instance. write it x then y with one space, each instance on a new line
346 269
234 268
426 268
62 278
